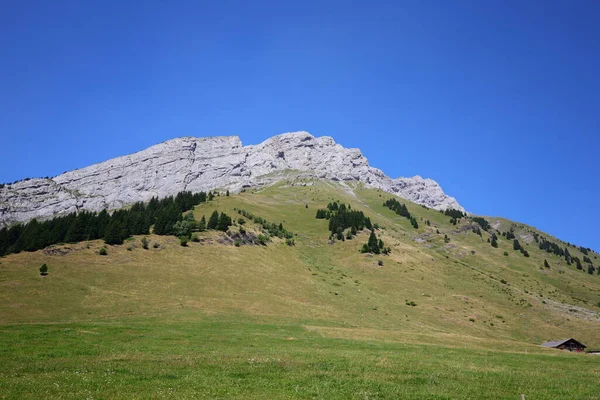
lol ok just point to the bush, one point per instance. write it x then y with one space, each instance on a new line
44 270
380 263
182 228
290 242
183 241
263 239
145 243
195 238
103 251
506 253
237 243
156 245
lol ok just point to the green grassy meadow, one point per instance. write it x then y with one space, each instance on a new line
317 320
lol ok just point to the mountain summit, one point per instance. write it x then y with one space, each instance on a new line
202 164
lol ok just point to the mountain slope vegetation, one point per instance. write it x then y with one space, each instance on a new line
452 282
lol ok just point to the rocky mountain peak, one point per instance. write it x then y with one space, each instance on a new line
202 164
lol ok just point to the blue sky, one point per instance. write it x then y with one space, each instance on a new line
499 101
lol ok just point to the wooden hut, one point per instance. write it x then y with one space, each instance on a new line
566 344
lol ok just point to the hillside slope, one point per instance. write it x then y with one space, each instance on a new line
453 291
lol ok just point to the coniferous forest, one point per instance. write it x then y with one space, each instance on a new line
163 214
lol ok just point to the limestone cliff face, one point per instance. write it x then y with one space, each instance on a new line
202 164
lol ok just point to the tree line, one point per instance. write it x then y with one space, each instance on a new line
401 210
114 228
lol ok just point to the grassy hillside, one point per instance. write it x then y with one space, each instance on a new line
319 319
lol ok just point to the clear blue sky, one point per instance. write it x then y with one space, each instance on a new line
499 101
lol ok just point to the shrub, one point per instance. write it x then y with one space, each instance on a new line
44 270
103 251
290 242
380 263
506 253
591 269
195 238
182 228
263 239
411 303
237 243
183 241
145 243
129 248
156 245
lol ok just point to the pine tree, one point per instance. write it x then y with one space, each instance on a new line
213 221
373 243
227 193
223 223
114 233
546 264
202 224
76 232
516 245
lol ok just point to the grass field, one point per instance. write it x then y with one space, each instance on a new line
314 320
219 358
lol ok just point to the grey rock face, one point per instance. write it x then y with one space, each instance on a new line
202 164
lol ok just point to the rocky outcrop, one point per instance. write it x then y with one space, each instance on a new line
202 164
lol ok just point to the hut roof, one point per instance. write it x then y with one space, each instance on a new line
557 343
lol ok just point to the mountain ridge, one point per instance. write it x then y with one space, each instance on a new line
202 164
